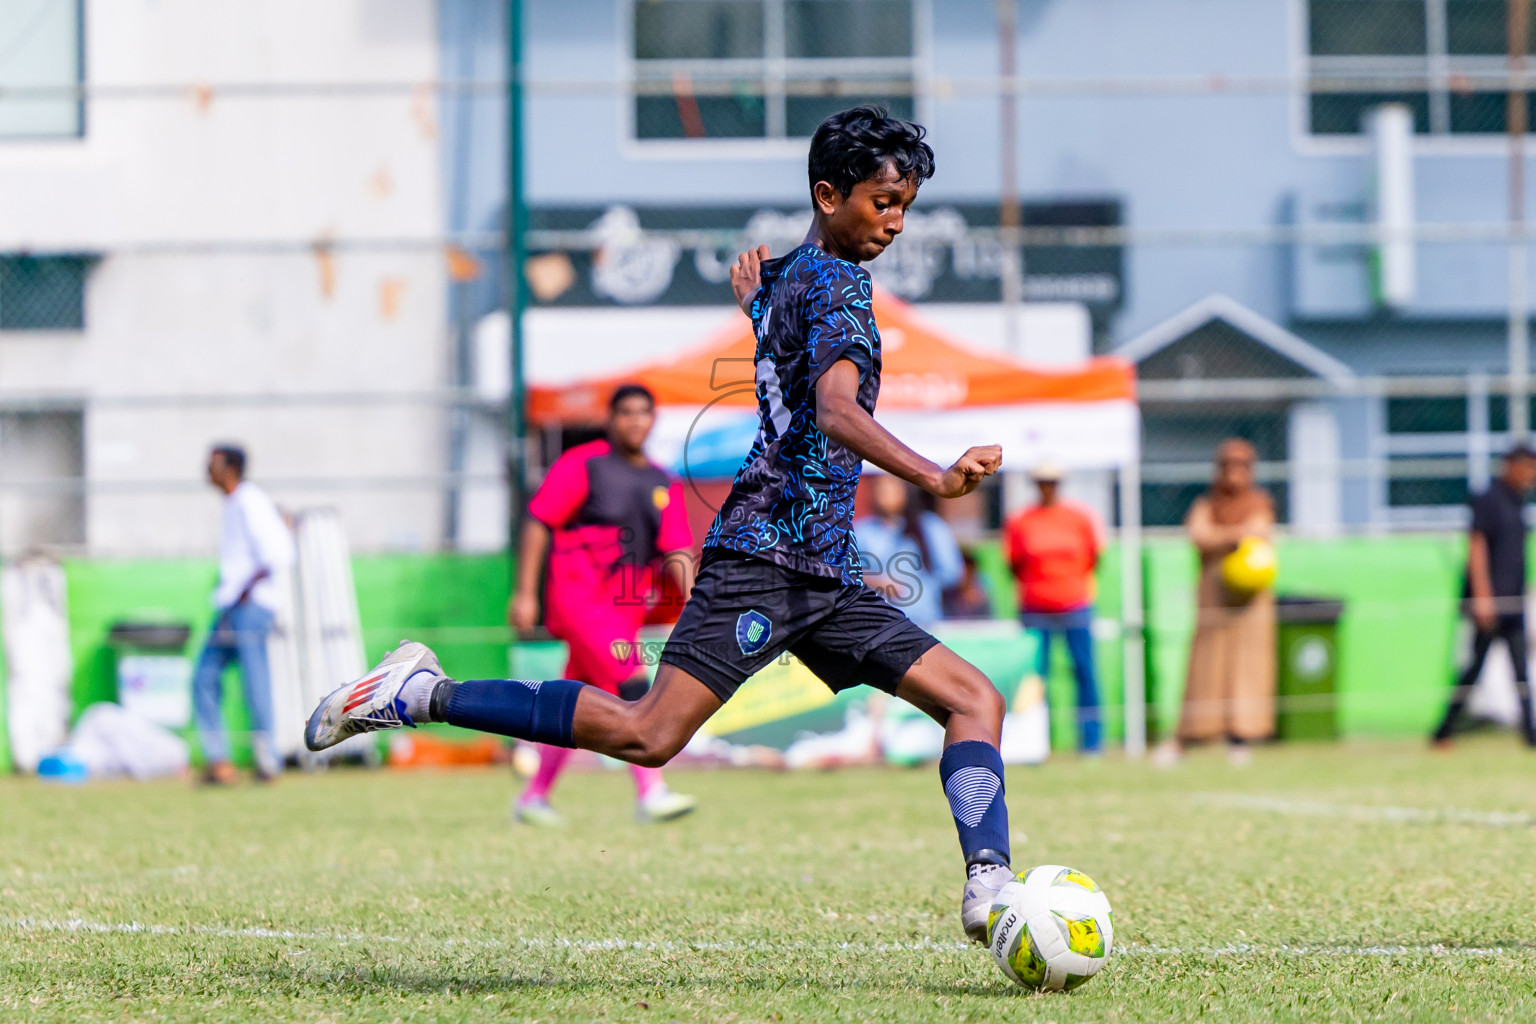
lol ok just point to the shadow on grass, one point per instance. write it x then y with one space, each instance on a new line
682 973
466 980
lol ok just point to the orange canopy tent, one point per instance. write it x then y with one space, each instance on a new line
923 369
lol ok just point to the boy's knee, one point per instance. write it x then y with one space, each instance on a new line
992 703
662 746
655 752
650 745
978 698
651 757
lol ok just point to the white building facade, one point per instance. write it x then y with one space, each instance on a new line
202 253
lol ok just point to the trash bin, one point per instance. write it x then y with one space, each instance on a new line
1308 661
154 675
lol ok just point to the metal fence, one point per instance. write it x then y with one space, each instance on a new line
364 368
120 473
125 475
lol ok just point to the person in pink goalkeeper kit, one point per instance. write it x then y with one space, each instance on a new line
608 518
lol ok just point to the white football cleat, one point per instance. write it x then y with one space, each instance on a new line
661 804
976 902
537 813
372 702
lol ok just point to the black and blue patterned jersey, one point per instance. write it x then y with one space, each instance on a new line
792 500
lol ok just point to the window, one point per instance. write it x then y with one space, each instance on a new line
1176 446
1426 481
1498 413
41 55
1433 415
1436 452
42 463
766 69
1352 27
1442 52
43 293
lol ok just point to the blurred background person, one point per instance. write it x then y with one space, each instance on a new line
970 598
608 518
910 553
1053 548
254 545
1229 691
1494 588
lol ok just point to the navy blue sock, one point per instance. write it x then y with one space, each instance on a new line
542 712
972 774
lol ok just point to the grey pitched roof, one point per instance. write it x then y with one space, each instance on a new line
1221 308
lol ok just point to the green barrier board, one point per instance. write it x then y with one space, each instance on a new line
1395 640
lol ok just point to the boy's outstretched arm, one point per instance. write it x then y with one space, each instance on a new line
843 419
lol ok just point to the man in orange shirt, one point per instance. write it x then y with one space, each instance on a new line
1053 549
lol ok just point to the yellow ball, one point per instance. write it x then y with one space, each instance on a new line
1251 568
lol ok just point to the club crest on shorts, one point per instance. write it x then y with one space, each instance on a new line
753 630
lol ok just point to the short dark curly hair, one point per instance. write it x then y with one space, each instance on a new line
853 146
624 391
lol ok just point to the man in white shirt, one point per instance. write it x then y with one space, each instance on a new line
254 546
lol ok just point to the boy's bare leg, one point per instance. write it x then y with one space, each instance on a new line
651 730
957 695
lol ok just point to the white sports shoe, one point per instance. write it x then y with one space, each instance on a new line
537 813
661 804
372 702
980 890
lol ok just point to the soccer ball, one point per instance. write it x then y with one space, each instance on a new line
1050 928
1251 568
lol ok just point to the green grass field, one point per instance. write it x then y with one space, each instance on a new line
1330 883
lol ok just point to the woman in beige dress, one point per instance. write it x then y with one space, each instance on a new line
1229 692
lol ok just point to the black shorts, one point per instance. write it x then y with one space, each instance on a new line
744 613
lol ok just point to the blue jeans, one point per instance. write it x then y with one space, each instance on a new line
237 633
1077 627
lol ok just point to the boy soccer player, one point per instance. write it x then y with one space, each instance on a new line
780 569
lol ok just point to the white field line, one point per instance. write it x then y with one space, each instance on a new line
1381 815
1244 949
956 947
